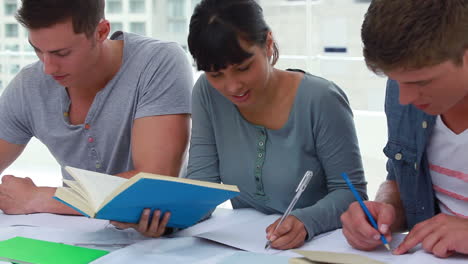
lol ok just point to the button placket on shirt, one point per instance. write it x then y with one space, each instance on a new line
424 125
261 140
92 147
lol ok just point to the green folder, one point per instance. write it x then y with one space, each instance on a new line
31 251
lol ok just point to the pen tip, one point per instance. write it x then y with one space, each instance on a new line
388 247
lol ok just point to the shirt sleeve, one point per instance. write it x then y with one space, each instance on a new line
203 155
166 83
338 151
15 125
390 173
391 97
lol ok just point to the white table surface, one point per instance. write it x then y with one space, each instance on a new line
127 246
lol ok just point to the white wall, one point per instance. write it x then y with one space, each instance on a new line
371 130
37 163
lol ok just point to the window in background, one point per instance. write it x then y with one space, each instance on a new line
137 6
11 47
138 28
194 4
11 30
28 48
176 26
10 7
14 68
114 6
116 26
177 18
176 8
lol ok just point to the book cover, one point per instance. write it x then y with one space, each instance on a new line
27 250
124 200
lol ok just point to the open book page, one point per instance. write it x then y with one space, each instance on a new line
97 185
79 203
77 188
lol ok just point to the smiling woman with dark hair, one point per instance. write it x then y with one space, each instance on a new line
262 128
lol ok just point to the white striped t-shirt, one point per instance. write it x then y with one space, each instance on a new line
448 162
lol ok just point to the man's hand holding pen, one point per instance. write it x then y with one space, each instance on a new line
359 232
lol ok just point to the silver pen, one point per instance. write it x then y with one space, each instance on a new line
300 188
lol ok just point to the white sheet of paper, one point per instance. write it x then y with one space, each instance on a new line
169 250
239 228
336 242
74 230
250 257
108 237
221 218
54 221
248 235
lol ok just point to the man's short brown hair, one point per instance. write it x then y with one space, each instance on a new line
85 14
412 34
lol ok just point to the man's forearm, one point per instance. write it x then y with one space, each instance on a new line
388 193
44 203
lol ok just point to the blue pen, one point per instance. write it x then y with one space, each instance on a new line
364 207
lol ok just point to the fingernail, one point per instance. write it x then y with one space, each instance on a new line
273 238
377 237
147 212
384 228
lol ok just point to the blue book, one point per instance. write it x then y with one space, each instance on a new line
103 196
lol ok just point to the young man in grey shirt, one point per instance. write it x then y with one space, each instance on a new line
116 106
